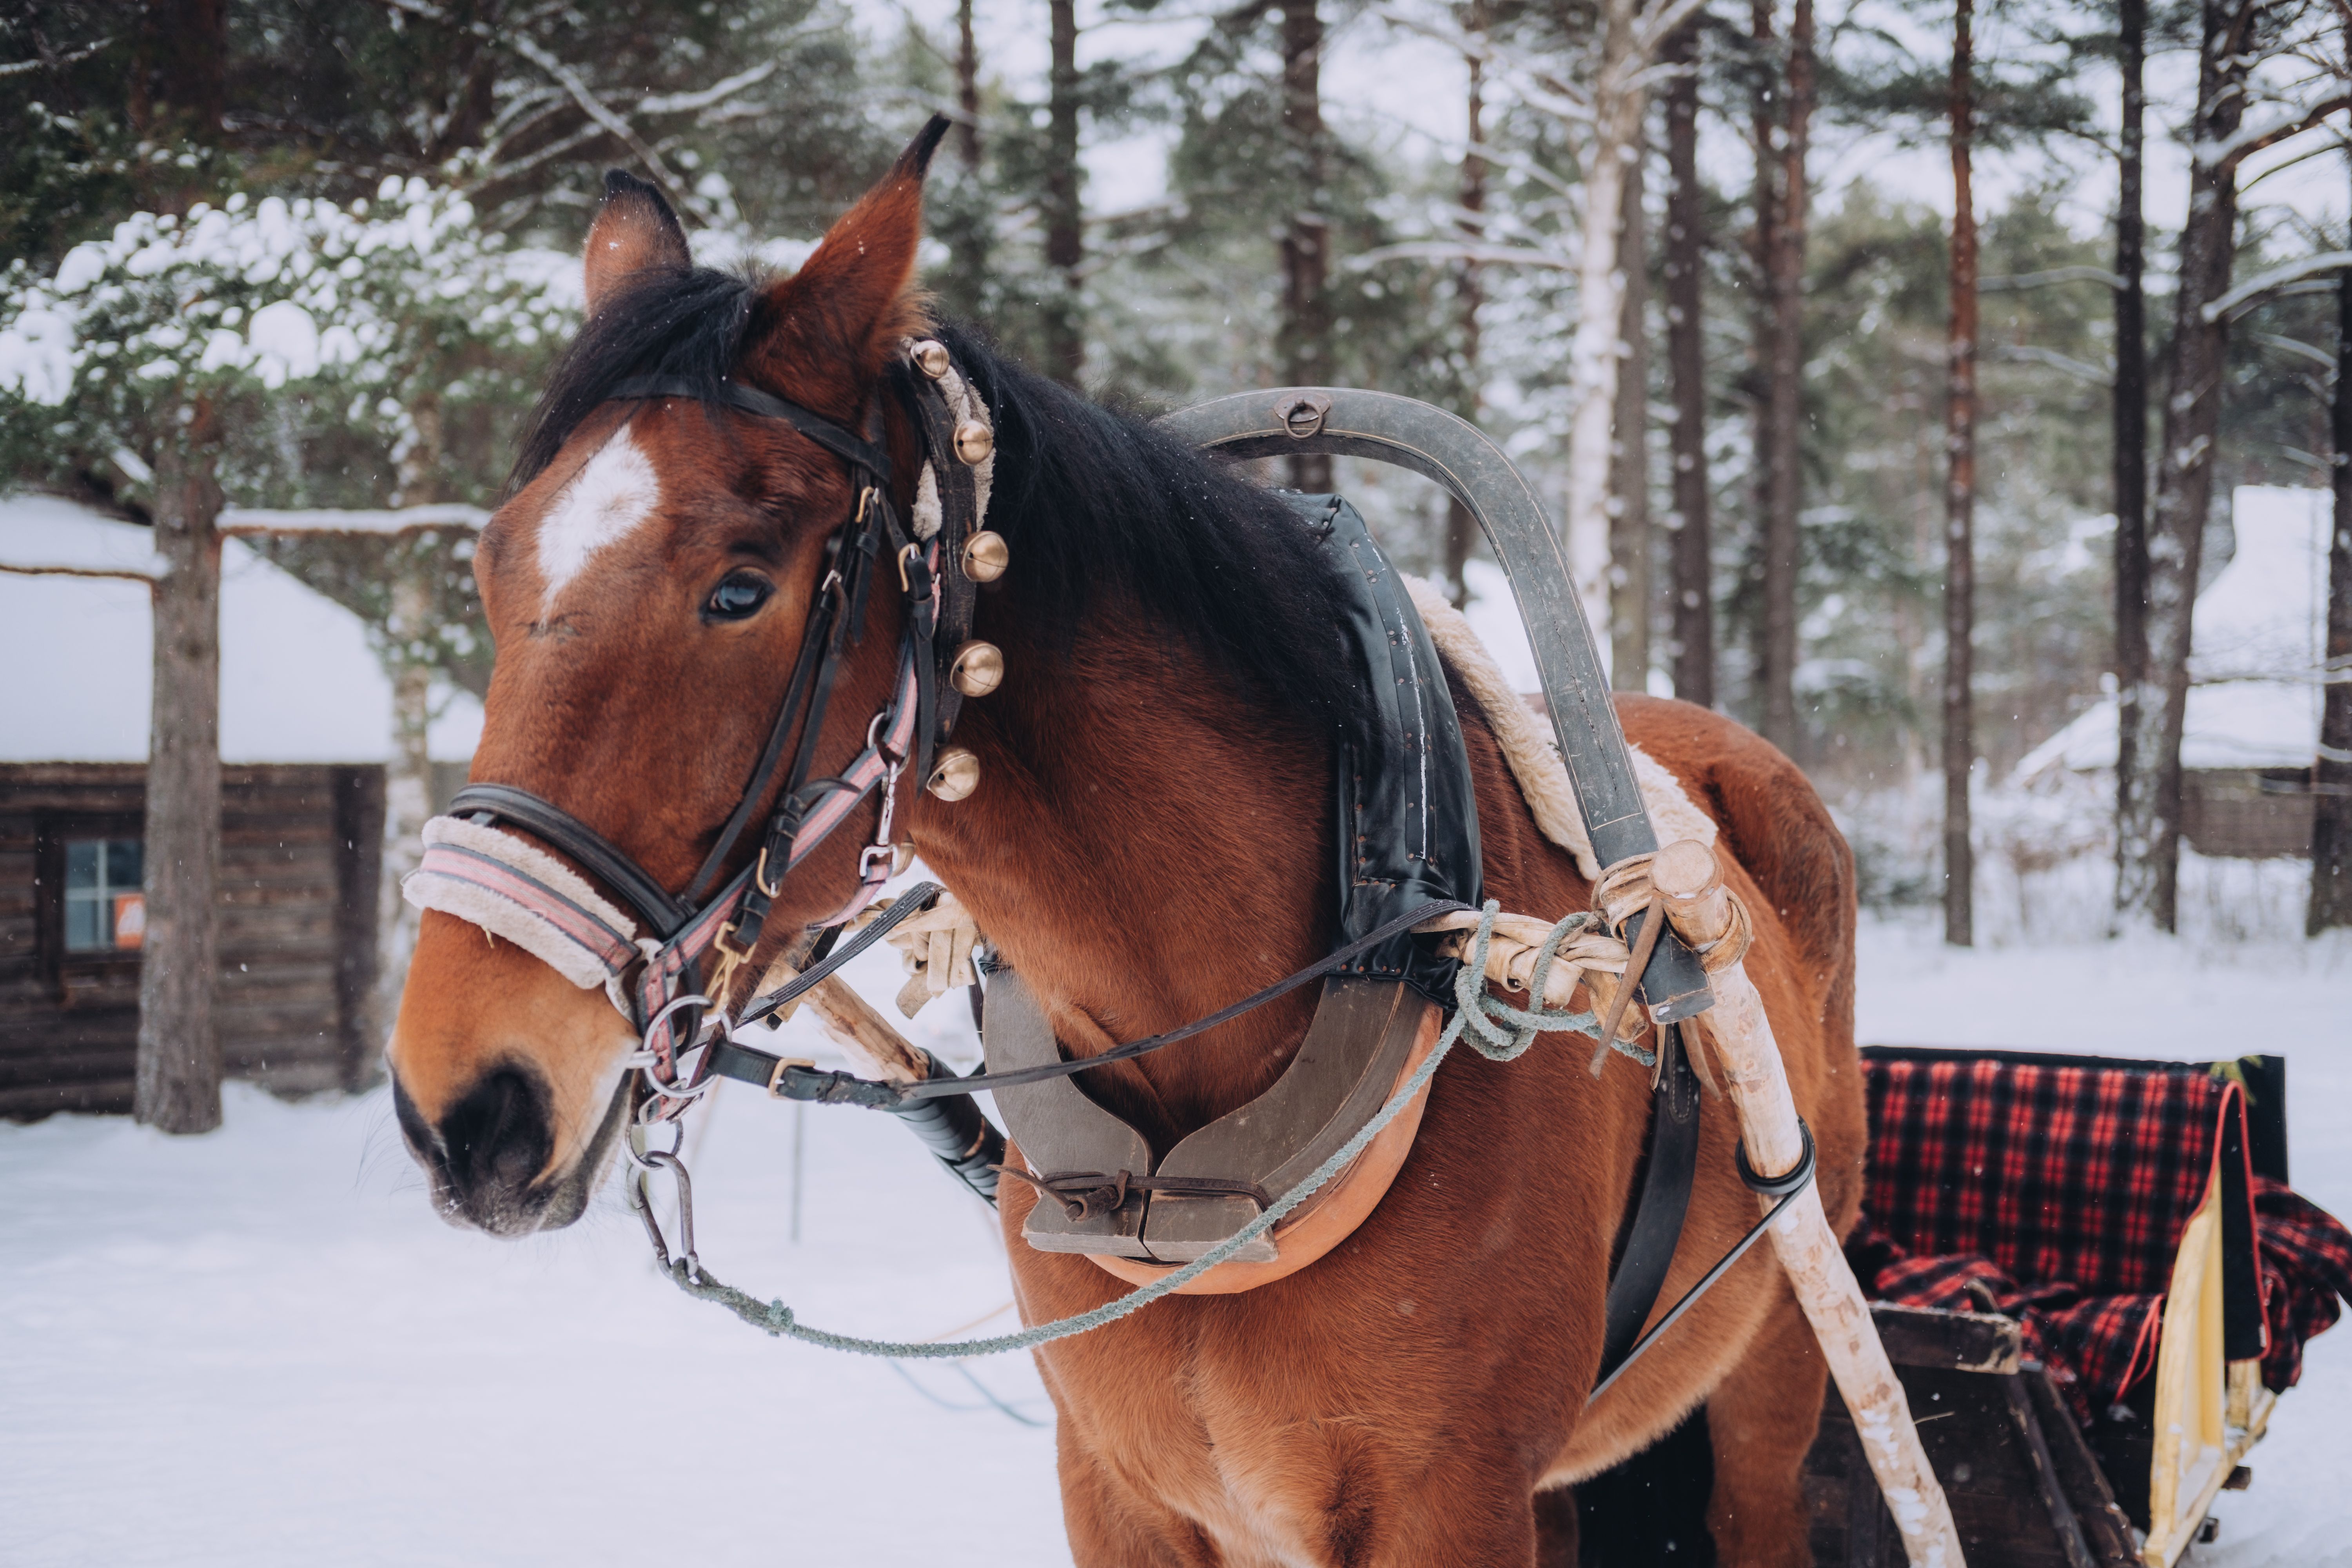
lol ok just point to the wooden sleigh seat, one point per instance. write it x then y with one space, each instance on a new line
2093 1282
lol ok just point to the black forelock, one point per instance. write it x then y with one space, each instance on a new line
1099 506
687 325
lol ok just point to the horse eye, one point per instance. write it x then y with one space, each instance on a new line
737 597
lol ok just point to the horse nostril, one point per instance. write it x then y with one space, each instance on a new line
498 1137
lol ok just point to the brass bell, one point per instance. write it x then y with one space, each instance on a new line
985 557
901 857
956 775
974 441
930 357
978 669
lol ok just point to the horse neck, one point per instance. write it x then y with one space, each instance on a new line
1149 843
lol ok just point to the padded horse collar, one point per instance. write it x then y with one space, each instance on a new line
1407 834
937 591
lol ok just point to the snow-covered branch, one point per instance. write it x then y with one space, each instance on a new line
26 68
2014 282
1462 251
247 520
2262 283
2231 151
717 92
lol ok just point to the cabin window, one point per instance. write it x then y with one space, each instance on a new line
106 903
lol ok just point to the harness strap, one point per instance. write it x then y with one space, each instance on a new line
824 432
1666 1198
543 819
785 1080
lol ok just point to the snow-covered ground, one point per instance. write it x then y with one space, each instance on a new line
259 1347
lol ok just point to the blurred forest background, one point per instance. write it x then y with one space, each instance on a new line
1696 265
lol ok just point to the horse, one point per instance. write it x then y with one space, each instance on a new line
1150 837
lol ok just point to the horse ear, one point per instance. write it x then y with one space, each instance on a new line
635 232
855 291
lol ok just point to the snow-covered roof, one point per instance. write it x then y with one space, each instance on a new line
2255 649
299 682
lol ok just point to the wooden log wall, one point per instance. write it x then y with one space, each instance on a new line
300 852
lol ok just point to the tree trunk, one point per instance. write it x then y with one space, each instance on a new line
1065 348
1305 344
1959 503
1784 397
1764 246
1617 102
2331 774
1694 647
408 781
179 1063
2130 395
2147 830
1629 479
1461 528
967 75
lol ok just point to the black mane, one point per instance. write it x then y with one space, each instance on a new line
1098 506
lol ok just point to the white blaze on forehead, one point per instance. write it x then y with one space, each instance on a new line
611 495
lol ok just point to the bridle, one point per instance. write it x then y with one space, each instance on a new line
657 980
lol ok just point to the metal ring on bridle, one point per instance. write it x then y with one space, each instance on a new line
672 1091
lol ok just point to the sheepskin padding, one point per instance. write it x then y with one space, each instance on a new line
502 916
1531 753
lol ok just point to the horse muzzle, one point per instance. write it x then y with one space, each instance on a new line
488 1155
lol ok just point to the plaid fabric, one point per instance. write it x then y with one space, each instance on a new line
2306 1265
2055 1192
2054 1173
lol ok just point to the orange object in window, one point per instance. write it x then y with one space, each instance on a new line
130 919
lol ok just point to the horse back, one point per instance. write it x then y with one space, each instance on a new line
1772 822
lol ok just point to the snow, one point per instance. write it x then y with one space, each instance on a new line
259 1347
299 682
2256 642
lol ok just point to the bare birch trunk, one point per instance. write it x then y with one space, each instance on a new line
2331 773
1065 347
1617 100
1629 482
2148 830
1694 586
1785 394
407 781
179 1060
1306 340
1959 503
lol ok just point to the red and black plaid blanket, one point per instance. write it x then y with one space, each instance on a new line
2054 1190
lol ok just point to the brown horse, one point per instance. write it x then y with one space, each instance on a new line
1151 838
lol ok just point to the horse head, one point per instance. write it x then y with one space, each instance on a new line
655 568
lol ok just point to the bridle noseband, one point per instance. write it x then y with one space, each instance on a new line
933 564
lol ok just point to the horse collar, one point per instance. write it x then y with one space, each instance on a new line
1407 832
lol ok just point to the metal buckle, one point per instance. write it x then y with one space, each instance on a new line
905 586
760 880
776 1079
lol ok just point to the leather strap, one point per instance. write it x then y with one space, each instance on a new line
597 854
1666 1198
781 1078
826 434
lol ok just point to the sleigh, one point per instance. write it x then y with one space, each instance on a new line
2093 1281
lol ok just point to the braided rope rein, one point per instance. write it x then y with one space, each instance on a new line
1496 1029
